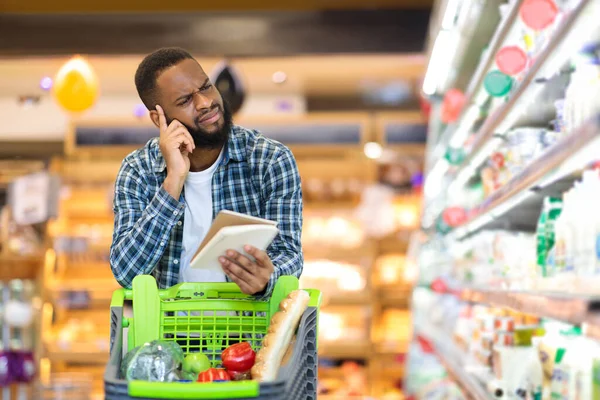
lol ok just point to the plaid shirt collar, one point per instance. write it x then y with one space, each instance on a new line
235 151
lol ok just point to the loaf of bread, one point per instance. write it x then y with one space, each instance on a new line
277 340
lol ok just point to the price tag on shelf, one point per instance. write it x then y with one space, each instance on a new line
34 198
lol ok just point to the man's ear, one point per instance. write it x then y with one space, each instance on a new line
154 118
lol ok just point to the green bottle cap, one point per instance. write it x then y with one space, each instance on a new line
497 84
455 156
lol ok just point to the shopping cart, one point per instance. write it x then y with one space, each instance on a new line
209 317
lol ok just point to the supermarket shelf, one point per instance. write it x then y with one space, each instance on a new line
367 249
528 85
476 82
392 349
475 26
345 349
399 298
573 309
79 356
550 174
330 205
453 360
20 267
348 299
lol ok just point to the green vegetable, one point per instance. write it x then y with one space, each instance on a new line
196 363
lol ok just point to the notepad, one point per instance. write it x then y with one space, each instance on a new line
232 231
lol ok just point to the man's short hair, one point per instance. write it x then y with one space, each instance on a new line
151 67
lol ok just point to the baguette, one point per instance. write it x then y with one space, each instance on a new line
276 341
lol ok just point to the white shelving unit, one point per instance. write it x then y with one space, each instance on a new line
517 204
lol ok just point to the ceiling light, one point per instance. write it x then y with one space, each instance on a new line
373 150
279 77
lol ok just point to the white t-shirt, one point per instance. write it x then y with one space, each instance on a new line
197 220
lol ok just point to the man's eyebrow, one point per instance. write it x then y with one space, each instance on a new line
206 82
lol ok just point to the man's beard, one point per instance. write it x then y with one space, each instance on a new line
211 140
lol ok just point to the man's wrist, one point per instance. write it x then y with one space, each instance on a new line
174 185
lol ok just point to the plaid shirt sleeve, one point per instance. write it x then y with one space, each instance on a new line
142 225
283 203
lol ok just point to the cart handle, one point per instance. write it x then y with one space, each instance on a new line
119 295
207 390
118 298
316 297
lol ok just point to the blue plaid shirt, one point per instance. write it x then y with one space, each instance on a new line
257 176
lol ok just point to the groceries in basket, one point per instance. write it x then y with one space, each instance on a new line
156 361
239 360
164 361
276 342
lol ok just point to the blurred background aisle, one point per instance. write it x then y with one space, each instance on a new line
337 81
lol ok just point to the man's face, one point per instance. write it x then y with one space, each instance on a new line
186 94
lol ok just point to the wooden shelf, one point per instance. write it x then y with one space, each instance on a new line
362 298
20 267
345 349
81 355
399 298
367 249
330 205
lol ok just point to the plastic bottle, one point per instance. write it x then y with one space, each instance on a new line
564 242
584 377
581 97
545 233
562 385
587 226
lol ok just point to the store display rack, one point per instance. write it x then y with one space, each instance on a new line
454 361
552 56
476 82
516 205
574 309
530 103
552 173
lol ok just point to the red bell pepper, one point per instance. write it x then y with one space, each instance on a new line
238 359
213 374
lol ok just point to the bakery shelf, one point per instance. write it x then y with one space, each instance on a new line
20 267
330 205
398 298
80 355
362 298
328 252
454 361
550 174
345 349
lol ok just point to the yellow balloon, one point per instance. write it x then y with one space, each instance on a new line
76 85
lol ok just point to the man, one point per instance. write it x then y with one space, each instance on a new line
168 192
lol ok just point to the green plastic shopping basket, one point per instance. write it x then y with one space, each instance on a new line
208 317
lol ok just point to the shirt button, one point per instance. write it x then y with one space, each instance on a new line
162 243
179 223
175 212
175 261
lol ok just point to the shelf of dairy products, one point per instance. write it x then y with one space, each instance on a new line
521 262
528 103
475 90
454 360
458 32
531 99
550 174
571 308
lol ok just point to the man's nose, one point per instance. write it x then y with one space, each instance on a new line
201 101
